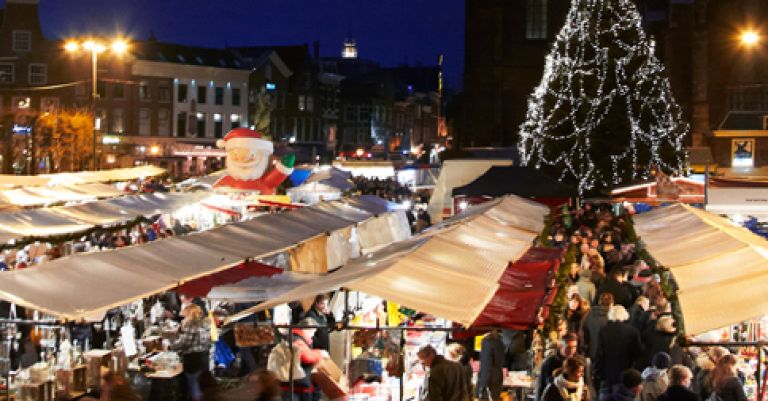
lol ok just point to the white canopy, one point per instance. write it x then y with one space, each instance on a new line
45 195
721 269
83 177
85 284
451 271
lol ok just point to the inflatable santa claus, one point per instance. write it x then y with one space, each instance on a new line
248 156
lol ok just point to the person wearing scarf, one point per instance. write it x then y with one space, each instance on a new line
569 382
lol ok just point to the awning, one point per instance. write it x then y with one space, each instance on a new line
527 182
46 195
83 177
261 288
721 269
85 284
451 271
202 286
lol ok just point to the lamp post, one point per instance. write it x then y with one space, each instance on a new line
95 46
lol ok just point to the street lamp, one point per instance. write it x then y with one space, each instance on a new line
749 38
95 46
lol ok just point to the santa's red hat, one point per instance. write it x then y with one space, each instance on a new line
245 138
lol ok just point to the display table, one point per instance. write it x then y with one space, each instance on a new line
166 385
517 384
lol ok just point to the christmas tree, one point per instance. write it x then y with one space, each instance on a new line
603 114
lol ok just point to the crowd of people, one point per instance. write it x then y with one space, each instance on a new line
617 339
387 188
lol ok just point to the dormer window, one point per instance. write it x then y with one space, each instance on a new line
22 41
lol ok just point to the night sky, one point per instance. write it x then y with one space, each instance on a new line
391 32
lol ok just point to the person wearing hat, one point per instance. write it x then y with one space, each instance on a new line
248 155
628 390
655 379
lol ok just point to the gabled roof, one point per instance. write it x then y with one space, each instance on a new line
152 50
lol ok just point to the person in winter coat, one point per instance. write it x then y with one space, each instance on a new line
593 323
585 285
660 339
445 379
639 315
491 375
193 343
654 377
628 389
567 348
679 381
457 353
725 380
304 389
619 349
615 286
705 364
568 385
323 316
575 314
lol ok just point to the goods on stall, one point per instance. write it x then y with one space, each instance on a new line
248 335
364 338
328 376
279 362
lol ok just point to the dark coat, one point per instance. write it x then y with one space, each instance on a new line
491 373
547 369
596 319
620 393
445 381
678 393
656 341
618 350
732 390
621 294
321 340
639 318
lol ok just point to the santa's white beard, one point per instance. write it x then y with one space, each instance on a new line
248 171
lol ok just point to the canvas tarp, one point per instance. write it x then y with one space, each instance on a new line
85 284
45 195
721 270
451 271
83 177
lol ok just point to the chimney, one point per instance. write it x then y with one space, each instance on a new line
316 48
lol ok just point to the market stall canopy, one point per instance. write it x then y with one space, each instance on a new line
83 177
708 256
527 182
37 223
85 284
259 288
46 195
451 271
332 177
202 286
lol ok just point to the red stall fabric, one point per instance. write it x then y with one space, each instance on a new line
202 286
526 287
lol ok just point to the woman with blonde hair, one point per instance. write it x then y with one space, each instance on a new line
193 343
725 380
458 353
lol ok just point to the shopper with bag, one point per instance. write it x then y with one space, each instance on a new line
194 344
304 359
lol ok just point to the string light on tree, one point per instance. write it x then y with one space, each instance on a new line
603 113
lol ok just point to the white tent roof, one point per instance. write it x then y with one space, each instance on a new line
721 269
256 289
44 195
82 285
83 177
451 271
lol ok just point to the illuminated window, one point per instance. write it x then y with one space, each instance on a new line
118 121
22 41
144 122
218 125
7 73
38 74
235 119
144 91
536 19
201 125
302 103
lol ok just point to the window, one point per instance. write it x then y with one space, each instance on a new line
350 113
144 91
536 19
181 124
365 114
118 121
200 125
38 74
163 122
235 97
101 119
202 94
144 122
7 73
302 102
118 91
235 119
310 105
101 90
218 125
164 93
219 96
182 94
22 41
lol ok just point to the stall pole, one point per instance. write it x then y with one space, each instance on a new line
759 373
290 370
402 359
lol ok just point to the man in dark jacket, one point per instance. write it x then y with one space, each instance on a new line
628 389
618 350
679 382
615 286
491 376
593 323
567 348
323 316
445 379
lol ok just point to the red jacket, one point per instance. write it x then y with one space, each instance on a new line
265 185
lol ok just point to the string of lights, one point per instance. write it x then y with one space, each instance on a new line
604 113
